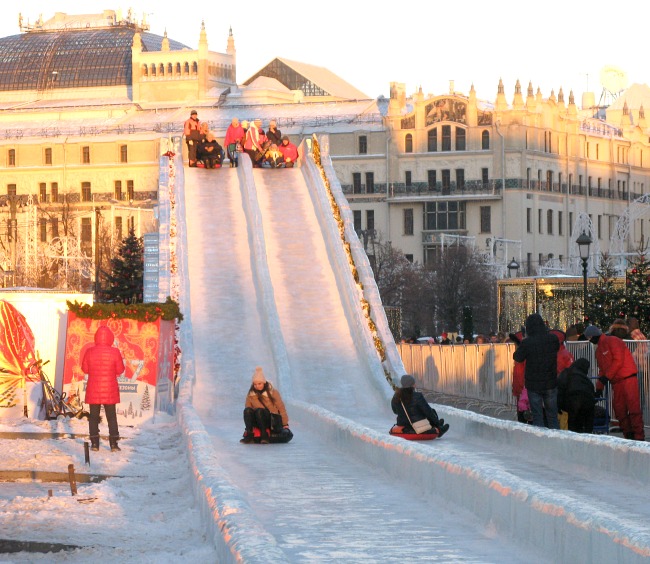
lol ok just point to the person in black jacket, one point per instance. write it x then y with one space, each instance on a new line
417 407
539 351
576 396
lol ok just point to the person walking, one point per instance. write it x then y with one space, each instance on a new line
539 350
616 365
264 409
103 363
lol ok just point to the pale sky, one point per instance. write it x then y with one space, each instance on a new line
554 44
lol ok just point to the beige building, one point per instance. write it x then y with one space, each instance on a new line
88 103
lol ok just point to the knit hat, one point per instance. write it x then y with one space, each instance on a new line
407 381
258 375
592 331
194 113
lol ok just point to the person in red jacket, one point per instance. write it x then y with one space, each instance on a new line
289 152
616 365
103 363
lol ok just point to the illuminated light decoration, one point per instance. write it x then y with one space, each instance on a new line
365 306
173 261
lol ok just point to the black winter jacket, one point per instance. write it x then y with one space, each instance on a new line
418 408
539 350
574 381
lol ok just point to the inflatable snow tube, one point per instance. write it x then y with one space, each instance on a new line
397 431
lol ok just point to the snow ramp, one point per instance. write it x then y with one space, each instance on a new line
267 280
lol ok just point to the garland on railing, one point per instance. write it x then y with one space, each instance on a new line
173 259
365 306
140 312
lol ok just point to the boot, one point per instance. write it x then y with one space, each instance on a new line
443 429
94 442
113 442
247 438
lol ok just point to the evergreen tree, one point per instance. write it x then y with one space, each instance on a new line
145 403
605 302
637 286
126 280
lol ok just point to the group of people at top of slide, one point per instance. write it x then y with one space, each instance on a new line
267 149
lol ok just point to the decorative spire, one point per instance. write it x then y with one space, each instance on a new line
165 42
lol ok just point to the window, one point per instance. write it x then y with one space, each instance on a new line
485 140
600 226
409 258
446 181
86 233
48 156
356 183
408 221
85 155
431 179
118 228
42 228
441 215
539 222
560 227
11 189
170 69
363 145
356 214
549 222
460 139
408 178
130 223
55 227
130 192
370 220
408 143
117 193
460 179
528 178
570 221
432 140
370 182
529 220
11 157
161 69
42 192
486 219
549 180
446 137
86 195
124 155
186 68
485 177
54 191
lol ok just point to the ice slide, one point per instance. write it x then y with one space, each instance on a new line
266 286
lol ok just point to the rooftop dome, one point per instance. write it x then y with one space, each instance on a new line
77 58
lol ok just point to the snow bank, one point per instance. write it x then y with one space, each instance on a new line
519 508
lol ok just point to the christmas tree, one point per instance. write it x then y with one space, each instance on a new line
126 280
145 404
605 302
637 286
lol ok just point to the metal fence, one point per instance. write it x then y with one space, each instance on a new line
484 372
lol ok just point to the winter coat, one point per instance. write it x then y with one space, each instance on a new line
274 137
233 134
417 409
269 399
539 349
615 361
289 152
209 150
191 129
518 378
103 363
574 381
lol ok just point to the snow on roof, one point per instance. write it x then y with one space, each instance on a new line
635 96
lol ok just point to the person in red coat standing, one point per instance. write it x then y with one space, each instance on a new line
103 363
616 365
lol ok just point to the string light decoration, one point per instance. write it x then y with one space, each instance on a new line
365 305
173 258
637 287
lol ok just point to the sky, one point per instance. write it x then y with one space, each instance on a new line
421 44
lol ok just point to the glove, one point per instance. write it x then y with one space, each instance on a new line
604 380
599 393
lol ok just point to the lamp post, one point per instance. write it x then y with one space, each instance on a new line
584 242
513 265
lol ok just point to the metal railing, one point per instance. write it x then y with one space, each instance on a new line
484 372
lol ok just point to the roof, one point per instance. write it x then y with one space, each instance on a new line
72 58
635 96
312 80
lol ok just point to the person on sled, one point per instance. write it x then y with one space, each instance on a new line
265 411
410 405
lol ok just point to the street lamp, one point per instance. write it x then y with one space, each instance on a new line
584 242
513 265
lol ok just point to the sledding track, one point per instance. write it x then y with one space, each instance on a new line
264 290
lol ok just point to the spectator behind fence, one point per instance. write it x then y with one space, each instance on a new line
616 365
539 350
576 396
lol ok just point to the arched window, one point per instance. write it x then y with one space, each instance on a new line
460 139
186 68
195 68
153 70
485 140
178 69
408 143
145 70
161 69
432 140
170 69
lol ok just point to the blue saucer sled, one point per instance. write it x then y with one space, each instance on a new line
397 431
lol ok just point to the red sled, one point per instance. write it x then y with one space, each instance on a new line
283 437
396 431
